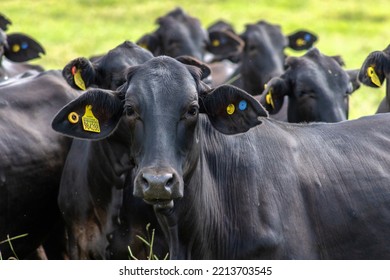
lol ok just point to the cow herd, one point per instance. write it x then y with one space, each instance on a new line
192 143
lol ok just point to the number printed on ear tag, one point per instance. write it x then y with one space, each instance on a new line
90 122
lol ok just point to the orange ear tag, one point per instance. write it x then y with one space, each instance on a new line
73 70
78 80
90 122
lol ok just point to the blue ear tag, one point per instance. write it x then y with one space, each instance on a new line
307 37
24 45
242 105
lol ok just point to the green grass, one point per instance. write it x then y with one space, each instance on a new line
69 29
9 242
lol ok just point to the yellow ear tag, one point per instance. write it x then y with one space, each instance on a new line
374 77
90 122
73 117
269 100
78 80
300 42
15 48
215 43
230 109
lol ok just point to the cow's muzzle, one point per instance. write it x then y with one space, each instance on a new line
158 188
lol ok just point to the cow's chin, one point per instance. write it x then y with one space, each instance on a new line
160 204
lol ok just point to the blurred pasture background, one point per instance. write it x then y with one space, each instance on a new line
74 28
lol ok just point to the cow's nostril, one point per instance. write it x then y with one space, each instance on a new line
144 182
157 187
170 182
157 180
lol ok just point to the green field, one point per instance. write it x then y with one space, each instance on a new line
71 28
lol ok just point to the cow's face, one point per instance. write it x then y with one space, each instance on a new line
161 112
317 87
263 55
375 68
159 108
178 34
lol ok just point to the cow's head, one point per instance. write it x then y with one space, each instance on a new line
263 54
159 107
180 34
375 68
107 71
317 88
17 47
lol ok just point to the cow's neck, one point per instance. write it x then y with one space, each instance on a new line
110 161
208 214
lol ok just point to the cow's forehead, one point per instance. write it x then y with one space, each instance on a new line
126 54
316 66
162 81
174 27
313 59
264 31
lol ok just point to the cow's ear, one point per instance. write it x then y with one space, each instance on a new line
189 60
149 42
273 95
22 48
93 115
301 40
4 22
353 79
339 59
224 44
231 110
79 73
374 68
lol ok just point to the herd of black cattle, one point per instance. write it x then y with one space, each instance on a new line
211 144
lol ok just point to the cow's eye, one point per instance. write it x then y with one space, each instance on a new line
130 111
193 111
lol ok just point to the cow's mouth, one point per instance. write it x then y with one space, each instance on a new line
161 203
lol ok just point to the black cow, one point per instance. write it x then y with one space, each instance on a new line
180 34
263 54
374 71
263 57
237 185
93 181
16 48
32 157
317 87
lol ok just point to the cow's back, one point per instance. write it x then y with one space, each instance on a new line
32 159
